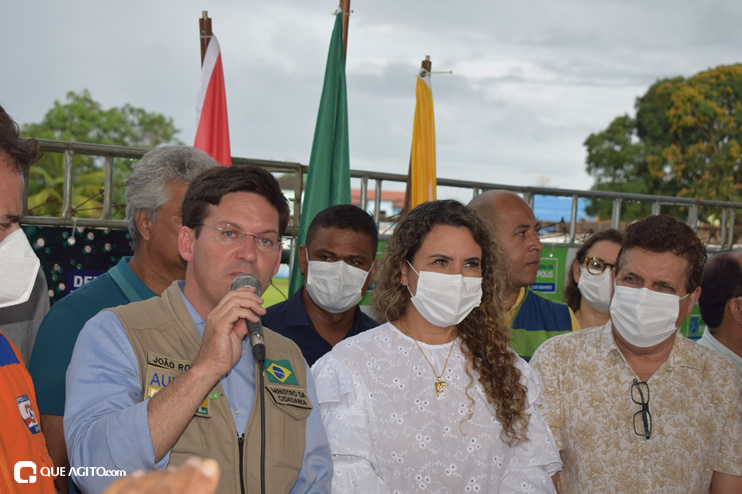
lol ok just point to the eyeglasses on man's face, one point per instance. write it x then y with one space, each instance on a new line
642 418
229 235
596 265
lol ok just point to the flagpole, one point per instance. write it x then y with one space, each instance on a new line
205 33
427 64
212 122
345 12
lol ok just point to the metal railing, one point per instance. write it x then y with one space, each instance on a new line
109 153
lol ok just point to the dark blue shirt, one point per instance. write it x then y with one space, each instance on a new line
291 320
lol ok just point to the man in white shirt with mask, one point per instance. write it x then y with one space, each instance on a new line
338 265
634 406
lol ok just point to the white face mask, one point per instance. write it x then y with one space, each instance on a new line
335 286
596 289
644 317
445 299
18 268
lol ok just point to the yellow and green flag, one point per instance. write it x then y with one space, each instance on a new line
328 178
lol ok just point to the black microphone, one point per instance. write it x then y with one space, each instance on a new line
254 329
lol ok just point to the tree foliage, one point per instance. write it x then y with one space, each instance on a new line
82 119
684 141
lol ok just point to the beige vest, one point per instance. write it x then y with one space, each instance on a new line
166 342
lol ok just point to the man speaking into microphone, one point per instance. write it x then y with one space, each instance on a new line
155 382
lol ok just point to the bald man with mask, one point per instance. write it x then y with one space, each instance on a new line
532 318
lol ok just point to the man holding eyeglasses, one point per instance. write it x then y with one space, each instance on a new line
153 383
634 406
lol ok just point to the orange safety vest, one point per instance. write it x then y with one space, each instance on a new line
25 465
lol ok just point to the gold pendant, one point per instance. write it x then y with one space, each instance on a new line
439 386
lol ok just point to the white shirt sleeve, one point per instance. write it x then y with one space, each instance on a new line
344 408
536 460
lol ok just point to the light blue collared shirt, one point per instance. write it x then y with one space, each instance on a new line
707 340
106 422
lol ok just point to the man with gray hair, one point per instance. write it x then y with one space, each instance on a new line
154 194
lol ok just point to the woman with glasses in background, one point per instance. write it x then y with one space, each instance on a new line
590 282
435 400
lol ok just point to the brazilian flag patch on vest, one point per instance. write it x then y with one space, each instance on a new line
280 372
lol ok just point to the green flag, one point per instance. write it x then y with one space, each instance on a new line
328 179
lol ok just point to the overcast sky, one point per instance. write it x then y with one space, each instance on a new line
532 79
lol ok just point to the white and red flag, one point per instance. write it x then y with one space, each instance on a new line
212 133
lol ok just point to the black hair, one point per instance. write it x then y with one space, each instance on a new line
662 233
212 185
23 152
345 217
722 280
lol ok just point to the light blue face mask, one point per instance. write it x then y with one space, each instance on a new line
445 299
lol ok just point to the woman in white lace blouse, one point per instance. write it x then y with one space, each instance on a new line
434 400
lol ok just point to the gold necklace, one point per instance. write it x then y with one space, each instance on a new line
440 383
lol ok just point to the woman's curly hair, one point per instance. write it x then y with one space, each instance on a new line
485 337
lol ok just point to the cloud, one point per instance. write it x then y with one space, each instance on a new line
532 79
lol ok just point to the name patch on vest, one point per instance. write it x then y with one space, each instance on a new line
167 363
161 371
293 396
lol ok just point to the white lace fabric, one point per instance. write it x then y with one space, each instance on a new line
390 432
